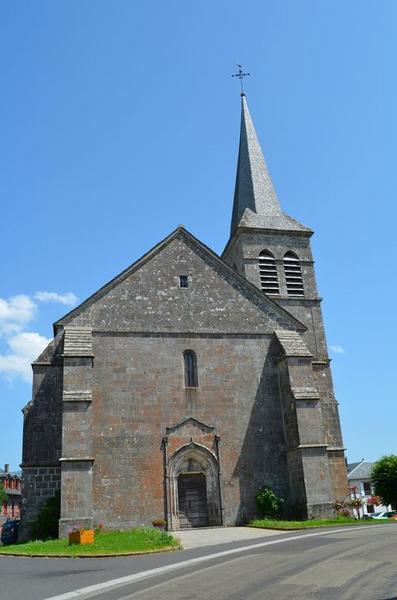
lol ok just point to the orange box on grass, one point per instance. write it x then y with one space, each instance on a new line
83 536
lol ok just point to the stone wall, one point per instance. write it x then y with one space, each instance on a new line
42 441
139 392
42 437
38 485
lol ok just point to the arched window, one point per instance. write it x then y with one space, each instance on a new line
268 273
190 363
293 275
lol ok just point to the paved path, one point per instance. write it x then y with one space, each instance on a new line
197 538
26 578
359 563
333 564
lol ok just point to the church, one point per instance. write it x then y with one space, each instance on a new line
191 380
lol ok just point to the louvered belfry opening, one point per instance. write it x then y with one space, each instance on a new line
268 273
293 275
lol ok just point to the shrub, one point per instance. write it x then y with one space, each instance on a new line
268 503
356 503
344 513
46 525
338 504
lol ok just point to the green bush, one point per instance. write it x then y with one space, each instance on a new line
46 525
268 503
3 495
384 478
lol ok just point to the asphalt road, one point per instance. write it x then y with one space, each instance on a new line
339 564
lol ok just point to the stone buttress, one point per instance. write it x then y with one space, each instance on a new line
76 460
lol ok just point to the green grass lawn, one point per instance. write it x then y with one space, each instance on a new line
142 539
279 524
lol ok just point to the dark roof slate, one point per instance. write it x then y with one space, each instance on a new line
255 202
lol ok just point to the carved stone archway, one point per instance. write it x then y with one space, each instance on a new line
194 459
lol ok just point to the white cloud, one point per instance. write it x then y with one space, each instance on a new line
15 313
28 343
337 349
25 347
68 299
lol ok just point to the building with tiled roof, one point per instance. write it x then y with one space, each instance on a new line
360 483
11 483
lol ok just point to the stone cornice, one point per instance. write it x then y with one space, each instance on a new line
308 393
308 447
278 261
76 459
38 465
301 299
184 334
77 396
279 232
324 363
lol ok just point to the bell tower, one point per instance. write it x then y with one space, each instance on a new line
272 250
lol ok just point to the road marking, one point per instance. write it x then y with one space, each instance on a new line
107 585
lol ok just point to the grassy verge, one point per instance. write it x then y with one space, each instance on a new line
287 525
140 540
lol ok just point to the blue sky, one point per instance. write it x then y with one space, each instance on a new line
120 120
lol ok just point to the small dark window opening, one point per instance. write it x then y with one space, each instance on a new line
183 281
367 488
190 364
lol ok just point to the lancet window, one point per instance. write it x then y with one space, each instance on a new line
190 364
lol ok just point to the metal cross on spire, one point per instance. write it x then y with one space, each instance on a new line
240 74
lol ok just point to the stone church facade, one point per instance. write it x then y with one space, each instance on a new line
190 380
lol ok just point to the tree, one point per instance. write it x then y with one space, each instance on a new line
3 495
384 478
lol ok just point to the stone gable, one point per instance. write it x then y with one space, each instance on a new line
148 297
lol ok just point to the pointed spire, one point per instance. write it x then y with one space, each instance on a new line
255 200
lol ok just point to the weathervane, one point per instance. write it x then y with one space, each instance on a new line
240 74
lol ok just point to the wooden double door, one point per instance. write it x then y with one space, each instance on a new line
192 499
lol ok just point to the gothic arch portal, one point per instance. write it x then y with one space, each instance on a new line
195 466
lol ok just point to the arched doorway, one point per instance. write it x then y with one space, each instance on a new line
192 500
194 488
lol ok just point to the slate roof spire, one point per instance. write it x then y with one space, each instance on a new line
255 200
